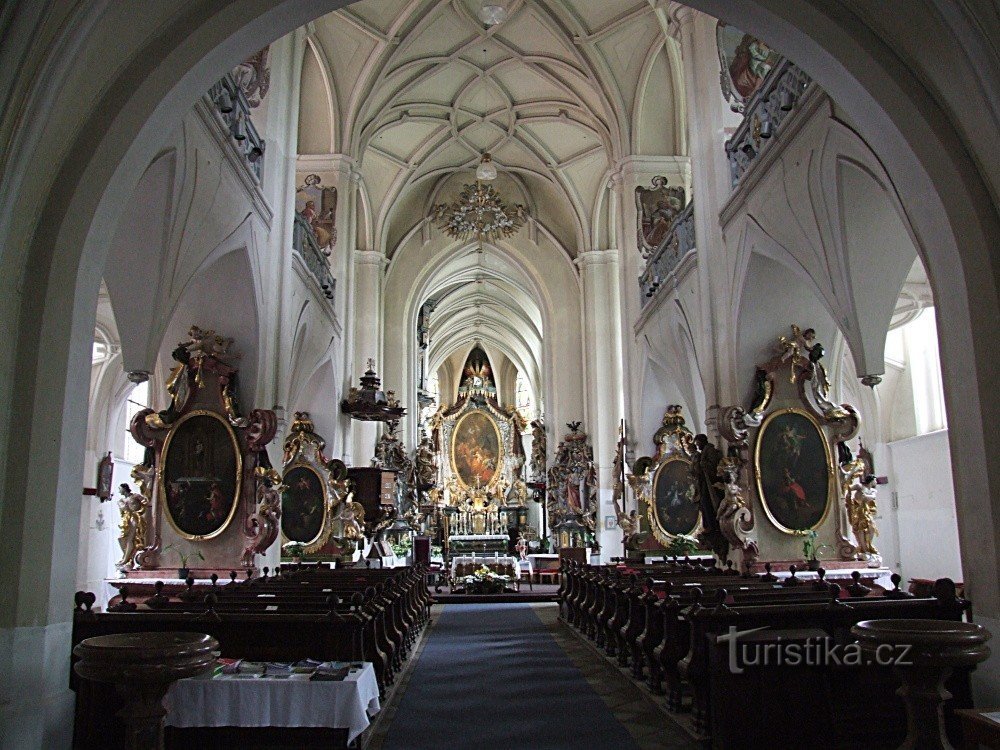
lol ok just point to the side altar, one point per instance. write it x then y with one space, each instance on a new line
207 493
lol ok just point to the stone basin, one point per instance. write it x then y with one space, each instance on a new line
144 657
933 642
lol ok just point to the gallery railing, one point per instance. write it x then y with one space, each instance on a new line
663 261
764 114
305 244
231 103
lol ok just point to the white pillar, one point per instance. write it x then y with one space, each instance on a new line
707 113
603 355
367 327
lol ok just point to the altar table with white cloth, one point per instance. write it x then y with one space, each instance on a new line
226 701
488 561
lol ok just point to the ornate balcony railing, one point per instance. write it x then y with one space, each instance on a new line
663 261
231 103
304 243
764 114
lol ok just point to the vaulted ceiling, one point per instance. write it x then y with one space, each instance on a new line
559 93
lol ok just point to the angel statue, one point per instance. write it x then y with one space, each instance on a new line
134 522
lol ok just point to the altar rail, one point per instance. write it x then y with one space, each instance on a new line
767 109
305 244
678 242
231 104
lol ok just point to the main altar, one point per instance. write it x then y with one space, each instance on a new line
483 499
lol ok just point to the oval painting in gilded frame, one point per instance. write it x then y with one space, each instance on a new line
674 508
476 453
201 471
303 505
794 467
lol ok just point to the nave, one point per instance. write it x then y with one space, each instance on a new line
513 675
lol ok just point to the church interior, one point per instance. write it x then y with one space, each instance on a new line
403 374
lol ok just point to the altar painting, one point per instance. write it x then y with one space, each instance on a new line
302 505
676 511
794 470
201 475
476 453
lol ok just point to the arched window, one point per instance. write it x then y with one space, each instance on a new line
136 401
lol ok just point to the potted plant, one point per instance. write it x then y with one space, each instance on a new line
809 550
682 545
294 550
184 571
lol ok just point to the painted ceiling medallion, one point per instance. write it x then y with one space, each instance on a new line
479 212
492 14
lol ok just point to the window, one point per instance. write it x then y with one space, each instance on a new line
915 346
136 401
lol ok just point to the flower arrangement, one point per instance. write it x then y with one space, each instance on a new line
401 548
485 581
294 550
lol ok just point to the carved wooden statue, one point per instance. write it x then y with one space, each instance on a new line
134 509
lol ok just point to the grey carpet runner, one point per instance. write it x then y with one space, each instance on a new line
490 676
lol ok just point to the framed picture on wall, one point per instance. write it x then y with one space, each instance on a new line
794 468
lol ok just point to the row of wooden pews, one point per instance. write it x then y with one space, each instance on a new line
298 613
664 624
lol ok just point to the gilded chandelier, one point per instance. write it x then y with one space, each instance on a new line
479 212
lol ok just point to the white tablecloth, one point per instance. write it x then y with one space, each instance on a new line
485 560
266 702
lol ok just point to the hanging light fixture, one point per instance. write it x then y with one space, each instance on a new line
479 212
492 14
486 170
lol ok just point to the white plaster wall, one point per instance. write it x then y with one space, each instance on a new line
927 527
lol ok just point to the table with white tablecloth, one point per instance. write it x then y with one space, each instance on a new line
226 701
490 561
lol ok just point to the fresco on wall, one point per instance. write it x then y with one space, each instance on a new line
302 505
794 470
201 463
318 206
656 209
673 497
746 61
475 453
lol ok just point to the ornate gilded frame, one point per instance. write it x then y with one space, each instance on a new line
304 450
673 440
501 448
831 479
161 465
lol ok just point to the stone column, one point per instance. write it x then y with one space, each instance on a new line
367 330
603 385
707 115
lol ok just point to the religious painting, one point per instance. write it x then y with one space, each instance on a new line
200 481
656 209
318 206
745 60
253 76
476 454
794 468
303 505
675 509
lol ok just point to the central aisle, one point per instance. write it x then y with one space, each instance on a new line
491 676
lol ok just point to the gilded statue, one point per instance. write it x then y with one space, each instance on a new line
860 497
134 509
425 464
389 451
352 515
